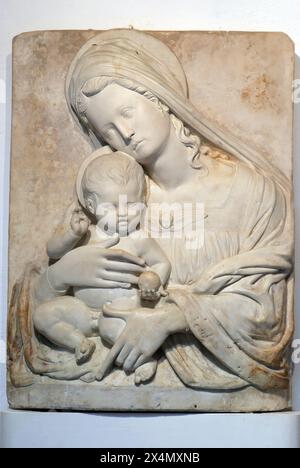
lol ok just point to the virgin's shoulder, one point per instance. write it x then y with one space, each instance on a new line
237 174
220 167
220 172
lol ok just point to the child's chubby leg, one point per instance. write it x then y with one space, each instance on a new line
67 322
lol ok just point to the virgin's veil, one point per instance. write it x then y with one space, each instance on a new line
143 59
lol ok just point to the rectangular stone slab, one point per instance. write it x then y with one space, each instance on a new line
241 80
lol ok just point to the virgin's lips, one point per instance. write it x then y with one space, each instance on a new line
135 145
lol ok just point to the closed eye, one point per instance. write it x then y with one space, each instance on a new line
127 112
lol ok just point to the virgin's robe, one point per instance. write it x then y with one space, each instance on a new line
235 290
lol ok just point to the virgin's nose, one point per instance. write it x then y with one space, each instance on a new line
126 132
128 137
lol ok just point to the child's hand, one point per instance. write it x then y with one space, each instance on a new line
150 295
153 295
150 286
79 223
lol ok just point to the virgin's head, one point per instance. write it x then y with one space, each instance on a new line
129 90
130 118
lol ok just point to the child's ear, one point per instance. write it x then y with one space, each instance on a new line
90 205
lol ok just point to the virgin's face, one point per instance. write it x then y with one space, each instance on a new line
129 122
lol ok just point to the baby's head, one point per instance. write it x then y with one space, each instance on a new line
113 188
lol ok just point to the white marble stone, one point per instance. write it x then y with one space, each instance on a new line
173 257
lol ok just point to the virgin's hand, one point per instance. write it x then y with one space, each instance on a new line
94 267
145 332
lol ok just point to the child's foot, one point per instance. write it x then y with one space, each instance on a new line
145 372
84 351
89 377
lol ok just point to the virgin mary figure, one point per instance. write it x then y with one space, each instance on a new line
228 322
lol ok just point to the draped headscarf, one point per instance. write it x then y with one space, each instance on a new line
143 59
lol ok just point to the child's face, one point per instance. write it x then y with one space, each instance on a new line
119 209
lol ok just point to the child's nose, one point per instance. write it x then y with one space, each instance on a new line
121 214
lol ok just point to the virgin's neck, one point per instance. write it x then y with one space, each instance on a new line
171 169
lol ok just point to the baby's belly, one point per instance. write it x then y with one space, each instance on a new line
97 297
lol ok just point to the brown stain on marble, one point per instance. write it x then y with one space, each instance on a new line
258 93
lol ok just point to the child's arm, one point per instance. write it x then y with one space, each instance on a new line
156 259
63 242
158 263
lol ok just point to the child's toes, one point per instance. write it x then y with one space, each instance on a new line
145 372
88 378
137 379
85 351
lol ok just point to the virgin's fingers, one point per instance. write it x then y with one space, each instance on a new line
103 284
110 358
131 360
109 311
123 355
125 256
120 277
124 266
